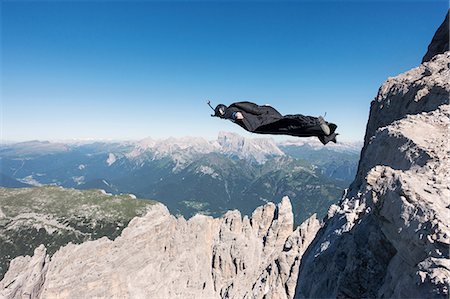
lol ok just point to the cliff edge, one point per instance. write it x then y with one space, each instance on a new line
390 235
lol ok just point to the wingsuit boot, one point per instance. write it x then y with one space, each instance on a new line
327 138
333 127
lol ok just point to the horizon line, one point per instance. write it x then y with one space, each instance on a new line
277 139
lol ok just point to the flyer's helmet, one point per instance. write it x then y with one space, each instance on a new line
220 110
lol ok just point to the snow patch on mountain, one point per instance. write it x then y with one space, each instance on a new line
30 180
78 179
207 171
104 192
111 159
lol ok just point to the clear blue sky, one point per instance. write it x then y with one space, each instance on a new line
129 70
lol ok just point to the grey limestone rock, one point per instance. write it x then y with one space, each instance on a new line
390 235
27 276
161 256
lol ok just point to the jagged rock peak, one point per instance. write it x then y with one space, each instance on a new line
160 256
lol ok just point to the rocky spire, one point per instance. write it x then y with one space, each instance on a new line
439 43
160 256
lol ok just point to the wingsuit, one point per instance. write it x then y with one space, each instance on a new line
267 120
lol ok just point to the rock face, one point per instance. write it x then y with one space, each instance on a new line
390 235
440 41
160 256
54 216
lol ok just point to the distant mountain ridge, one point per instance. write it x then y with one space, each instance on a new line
251 149
191 174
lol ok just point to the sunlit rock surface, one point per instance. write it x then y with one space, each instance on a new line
160 256
390 235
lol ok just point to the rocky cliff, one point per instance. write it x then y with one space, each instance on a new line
390 235
160 256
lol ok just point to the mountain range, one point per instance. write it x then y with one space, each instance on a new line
192 175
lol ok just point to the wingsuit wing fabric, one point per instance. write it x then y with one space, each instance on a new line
253 108
255 116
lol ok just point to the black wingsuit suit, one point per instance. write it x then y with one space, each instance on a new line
267 120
